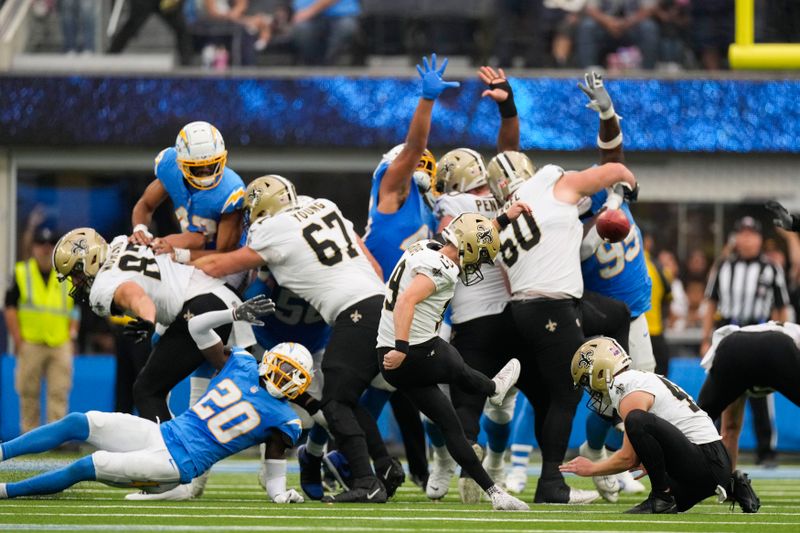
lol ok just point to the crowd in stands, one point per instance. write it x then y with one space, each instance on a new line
616 34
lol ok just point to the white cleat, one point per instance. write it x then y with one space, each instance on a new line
442 471
504 380
629 485
469 491
607 486
179 493
580 496
503 501
517 479
199 484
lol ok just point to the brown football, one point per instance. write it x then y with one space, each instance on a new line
613 225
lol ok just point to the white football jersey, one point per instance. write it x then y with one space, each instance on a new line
787 328
313 251
167 283
671 403
490 296
423 258
541 251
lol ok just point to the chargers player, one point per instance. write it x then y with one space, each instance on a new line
245 405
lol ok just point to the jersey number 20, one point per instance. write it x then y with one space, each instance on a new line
227 395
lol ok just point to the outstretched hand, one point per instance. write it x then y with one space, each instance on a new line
599 100
251 309
499 89
580 466
432 83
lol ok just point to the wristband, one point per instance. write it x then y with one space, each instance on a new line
503 220
507 108
143 228
182 255
607 114
608 145
401 346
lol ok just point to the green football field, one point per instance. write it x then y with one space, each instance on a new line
233 501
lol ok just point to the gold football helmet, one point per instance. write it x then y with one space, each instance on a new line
286 370
477 241
507 171
594 366
79 255
460 170
201 154
269 195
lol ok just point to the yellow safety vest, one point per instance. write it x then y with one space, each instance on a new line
655 323
44 311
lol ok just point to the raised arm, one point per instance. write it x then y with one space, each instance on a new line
500 91
153 195
575 185
397 179
609 138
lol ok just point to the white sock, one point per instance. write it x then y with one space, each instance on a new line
521 454
494 459
314 448
3 493
441 453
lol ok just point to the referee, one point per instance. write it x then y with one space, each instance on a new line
746 288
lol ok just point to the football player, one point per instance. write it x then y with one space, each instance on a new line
139 453
482 327
415 359
749 361
312 250
667 435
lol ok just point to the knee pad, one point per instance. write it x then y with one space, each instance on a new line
504 413
342 419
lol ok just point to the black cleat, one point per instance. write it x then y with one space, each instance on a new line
743 493
365 490
391 474
655 504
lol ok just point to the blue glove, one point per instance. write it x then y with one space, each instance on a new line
432 83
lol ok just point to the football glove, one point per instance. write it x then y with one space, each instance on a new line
250 310
599 100
743 493
290 496
630 194
432 83
139 330
783 219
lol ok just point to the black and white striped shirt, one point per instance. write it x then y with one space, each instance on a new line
747 290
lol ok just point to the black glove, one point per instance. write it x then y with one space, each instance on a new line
630 195
783 219
139 330
250 310
743 493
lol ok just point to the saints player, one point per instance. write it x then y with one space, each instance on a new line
749 361
312 250
126 277
415 359
139 453
666 434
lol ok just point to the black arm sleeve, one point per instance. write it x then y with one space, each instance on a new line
13 295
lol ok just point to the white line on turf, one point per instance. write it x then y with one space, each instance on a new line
138 527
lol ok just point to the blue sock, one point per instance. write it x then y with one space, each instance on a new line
496 434
55 481
434 433
596 430
318 435
374 400
614 440
74 426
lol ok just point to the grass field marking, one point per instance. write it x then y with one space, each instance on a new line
492 517
138 527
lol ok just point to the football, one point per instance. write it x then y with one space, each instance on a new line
613 225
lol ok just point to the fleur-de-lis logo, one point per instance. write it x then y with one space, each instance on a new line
484 234
80 247
585 360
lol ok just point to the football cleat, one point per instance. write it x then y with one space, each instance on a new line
661 504
391 474
743 493
339 468
199 484
560 492
442 471
607 486
310 473
469 491
504 380
365 490
179 493
629 485
503 501
517 479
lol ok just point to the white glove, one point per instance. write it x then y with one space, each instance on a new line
290 496
599 100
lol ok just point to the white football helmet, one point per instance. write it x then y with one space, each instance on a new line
287 370
201 154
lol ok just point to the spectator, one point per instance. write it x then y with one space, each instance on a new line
609 24
324 31
678 305
659 295
42 322
249 32
673 18
697 265
745 289
712 28
77 25
170 11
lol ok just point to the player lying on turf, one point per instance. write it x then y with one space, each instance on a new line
666 434
749 361
412 356
245 405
